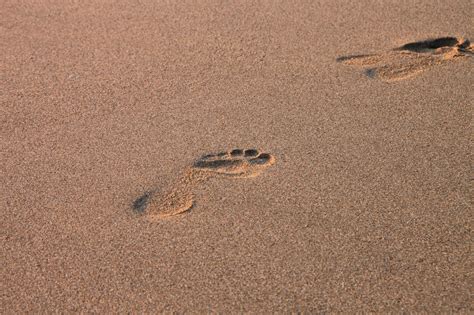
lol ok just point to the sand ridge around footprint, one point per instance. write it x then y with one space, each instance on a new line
180 198
410 59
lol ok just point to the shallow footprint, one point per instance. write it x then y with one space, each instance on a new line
180 198
410 59
239 163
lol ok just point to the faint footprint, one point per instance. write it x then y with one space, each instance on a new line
235 163
410 59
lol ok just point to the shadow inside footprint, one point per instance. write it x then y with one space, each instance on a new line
237 162
371 73
236 152
140 204
430 44
250 152
216 163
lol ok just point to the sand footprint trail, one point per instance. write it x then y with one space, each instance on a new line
180 198
411 59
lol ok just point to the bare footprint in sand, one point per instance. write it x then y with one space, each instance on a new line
235 163
411 59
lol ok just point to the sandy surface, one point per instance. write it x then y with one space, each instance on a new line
366 208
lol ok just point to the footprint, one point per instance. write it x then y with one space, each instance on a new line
236 163
430 45
410 59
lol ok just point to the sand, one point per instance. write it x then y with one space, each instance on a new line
108 107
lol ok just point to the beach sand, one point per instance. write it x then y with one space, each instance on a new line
107 108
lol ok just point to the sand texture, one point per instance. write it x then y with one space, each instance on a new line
236 157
